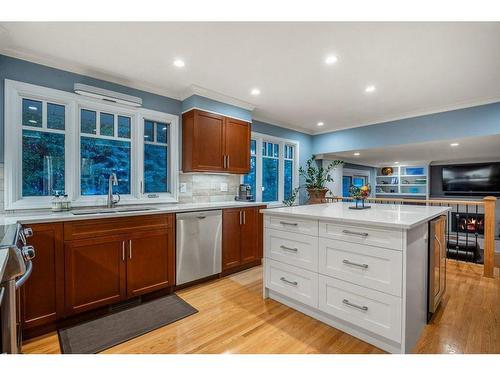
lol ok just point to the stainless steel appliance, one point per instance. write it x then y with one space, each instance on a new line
199 245
244 193
17 271
437 264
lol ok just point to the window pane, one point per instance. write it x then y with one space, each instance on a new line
269 149
276 153
100 158
55 116
148 131
253 147
250 177
32 113
269 179
155 168
43 163
264 148
346 185
161 132
88 121
107 124
123 127
288 178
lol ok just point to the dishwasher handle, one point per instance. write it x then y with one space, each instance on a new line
198 215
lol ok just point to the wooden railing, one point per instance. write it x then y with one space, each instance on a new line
462 209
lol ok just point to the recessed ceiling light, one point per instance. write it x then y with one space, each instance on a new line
455 144
396 162
255 92
321 123
32 121
332 59
357 154
33 108
179 63
370 88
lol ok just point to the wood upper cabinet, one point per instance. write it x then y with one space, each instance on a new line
214 143
150 262
95 273
42 296
241 236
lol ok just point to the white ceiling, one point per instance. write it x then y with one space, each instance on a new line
469 150
417 68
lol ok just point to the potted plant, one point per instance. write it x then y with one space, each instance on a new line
316 179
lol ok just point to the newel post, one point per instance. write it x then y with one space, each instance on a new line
489 236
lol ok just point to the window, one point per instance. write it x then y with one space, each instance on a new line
61 142
156 157
103 151
274 169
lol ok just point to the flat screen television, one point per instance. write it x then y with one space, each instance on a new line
478 179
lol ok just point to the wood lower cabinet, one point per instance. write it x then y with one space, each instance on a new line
95 273
241 236
215 143
150 262
42 296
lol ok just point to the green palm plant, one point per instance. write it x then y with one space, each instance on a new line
317 177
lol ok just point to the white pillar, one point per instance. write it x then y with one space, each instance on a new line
335 186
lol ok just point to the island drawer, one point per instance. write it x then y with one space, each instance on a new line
298 250
367 235
292 224
377 312
293 282
369 266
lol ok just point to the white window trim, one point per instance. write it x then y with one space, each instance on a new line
259 138
15 91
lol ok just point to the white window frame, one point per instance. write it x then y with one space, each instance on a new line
14 93
259 139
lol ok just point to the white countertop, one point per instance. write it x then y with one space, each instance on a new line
385 215
4 255
47 216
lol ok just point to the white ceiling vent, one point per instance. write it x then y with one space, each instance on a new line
107 95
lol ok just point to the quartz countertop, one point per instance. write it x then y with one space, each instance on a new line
384 215
46 216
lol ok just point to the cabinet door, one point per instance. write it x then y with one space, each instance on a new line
150 262
94 273
237 145
42 296
250 235
231 238
206 144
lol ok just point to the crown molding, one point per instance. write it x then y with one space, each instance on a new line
80 69
270 121
214 95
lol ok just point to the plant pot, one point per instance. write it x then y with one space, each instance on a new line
316 195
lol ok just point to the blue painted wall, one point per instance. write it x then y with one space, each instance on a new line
24 71
469 122
200 102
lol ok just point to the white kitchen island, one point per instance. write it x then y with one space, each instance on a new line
363 272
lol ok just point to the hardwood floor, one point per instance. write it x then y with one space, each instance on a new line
233 318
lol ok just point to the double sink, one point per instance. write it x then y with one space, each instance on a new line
97 211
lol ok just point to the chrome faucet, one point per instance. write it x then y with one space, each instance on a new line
112 181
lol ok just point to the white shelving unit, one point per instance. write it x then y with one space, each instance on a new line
406 180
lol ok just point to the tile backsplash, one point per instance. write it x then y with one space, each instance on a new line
206 187
200 187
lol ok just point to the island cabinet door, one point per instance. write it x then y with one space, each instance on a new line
231 238
150 262
95 272
250 249
42 296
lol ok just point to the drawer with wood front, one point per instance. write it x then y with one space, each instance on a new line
293 282
298 250
294 225
75 230
369 266
374 311
367 235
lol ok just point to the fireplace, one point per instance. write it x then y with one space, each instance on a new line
467 223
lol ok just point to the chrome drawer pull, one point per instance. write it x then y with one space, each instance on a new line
287 223
345 261
346 302
294 249
363 234
294 283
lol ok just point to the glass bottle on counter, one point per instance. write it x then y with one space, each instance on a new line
56 202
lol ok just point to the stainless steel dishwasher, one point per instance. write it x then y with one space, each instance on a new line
198 245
